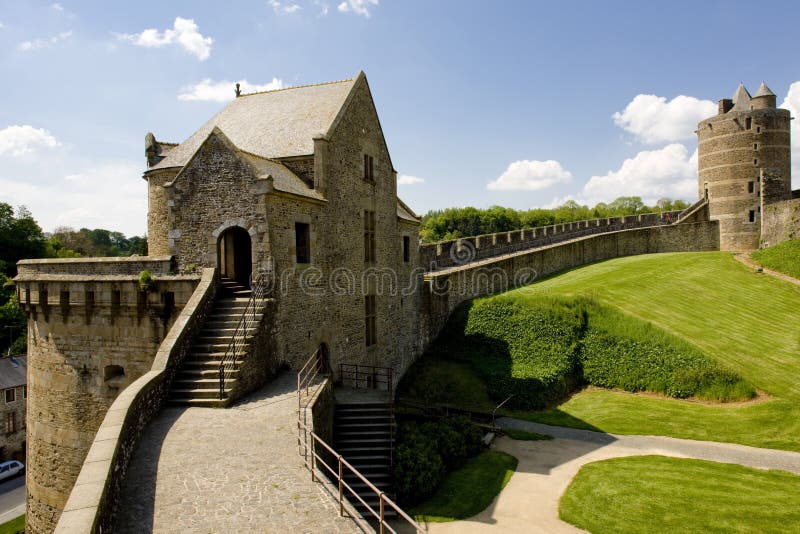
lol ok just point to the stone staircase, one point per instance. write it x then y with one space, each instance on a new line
197 381
364 436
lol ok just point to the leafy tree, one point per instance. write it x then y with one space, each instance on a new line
20 237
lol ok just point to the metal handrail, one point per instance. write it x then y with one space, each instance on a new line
238 342
372 376
318 461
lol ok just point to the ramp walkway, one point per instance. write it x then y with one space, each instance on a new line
198 469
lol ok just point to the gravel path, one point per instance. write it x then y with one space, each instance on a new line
529 503
226 470
746 260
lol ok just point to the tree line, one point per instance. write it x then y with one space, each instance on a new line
453 223
21 237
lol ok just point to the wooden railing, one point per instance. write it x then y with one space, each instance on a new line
314 460
249 318
366 376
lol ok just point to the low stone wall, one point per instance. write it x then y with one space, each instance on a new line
93 500
445 254
261 362
780 222
133 265
446 289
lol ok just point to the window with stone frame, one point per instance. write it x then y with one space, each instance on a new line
406 249
302 242
369 169
369 236
11 395
370 323
11 423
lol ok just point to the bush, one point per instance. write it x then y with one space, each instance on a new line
540 350
426 452
418 466
145 280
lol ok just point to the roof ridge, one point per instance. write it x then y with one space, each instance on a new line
297 87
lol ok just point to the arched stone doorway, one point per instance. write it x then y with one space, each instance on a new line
235 255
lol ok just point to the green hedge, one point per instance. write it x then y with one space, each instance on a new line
426 452
540 350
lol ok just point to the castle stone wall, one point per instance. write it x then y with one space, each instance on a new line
448 288
781 222
89 336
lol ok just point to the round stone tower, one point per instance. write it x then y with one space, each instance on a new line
744 161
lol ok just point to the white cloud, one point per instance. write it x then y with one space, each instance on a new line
651 174
359 7
106 194
37 44
528 175
184 33
654 120
323 7
405 179
223 90
2 25
20 140
792 103
283 7
57 7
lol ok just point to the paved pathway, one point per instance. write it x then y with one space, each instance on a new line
745 259
226 470
529 503
12 498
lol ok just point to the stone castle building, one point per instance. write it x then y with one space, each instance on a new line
296 187
744 170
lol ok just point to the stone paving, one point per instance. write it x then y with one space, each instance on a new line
226 470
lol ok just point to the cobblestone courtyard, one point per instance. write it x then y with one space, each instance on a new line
226 470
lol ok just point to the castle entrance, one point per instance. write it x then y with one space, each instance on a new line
235 256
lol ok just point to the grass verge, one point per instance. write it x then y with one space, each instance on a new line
783 257
524 435
468 490
654 494
14 526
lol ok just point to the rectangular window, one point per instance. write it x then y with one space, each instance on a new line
370 326
302 242
369 236
748 123
11 395
369 168
406 248
116 297
24 392
751 187
11 423
755 146
758 129
752 216
755 162
63 300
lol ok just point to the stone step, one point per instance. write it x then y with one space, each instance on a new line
346 449
200 373
197 393
207 403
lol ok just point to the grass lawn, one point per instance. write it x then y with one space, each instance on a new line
524 435
746 321
13 526
783 257
469 490
657 494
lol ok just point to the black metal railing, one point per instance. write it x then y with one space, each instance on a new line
250 317
366 376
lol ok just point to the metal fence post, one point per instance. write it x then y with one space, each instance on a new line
341 488
380 496
313 460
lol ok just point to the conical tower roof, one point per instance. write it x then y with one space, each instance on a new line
763 90
741 98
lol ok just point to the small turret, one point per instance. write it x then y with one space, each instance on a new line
764 98
741 99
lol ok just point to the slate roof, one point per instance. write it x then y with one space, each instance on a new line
741 99
13 372
272 124
763 90
404 212
283 179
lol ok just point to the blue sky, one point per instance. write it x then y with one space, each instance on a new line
520 104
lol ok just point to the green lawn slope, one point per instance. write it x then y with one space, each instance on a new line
783 257
745 321
655 494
